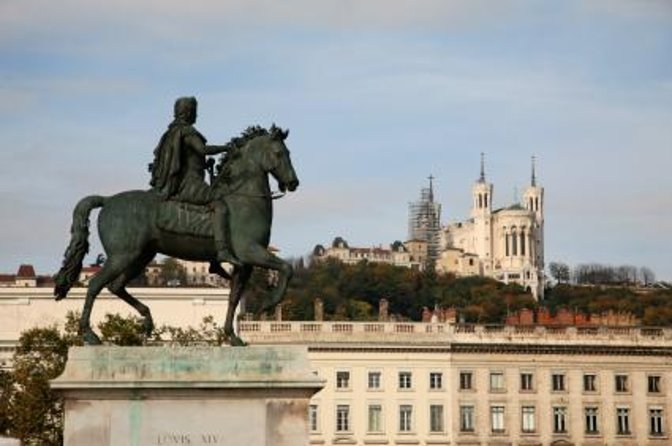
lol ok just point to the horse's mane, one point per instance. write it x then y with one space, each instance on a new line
237 143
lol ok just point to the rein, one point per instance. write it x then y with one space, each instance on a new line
274 195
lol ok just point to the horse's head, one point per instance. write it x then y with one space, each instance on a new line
260 150
276 160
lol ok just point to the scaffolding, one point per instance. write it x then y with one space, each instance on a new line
424 221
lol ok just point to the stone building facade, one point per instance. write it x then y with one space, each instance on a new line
446 384
397 254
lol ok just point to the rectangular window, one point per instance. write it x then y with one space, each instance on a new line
436 418
589 382
375 418
558 382
497 419
559 419
374 380
313 418
621 382
342 418
405 418
436 380
465 381
656 421
496 381
654 384
526 382
467 418
342 380
405 380
528 419
591 414
623 421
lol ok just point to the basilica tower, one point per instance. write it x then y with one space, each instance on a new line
481 213
533 201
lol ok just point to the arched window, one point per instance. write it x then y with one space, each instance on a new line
536 200
480 201
506 237
486 200
514 247
531 207
522 243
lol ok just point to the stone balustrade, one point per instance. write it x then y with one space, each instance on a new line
445 333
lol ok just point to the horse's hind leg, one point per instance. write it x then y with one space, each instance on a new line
112 268
118 287
257 255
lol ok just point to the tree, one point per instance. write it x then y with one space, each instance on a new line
559 271
6 386
119 330
36 413
172 273
647 275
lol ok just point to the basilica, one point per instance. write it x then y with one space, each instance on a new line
506 244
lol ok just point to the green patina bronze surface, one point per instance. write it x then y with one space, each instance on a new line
183 216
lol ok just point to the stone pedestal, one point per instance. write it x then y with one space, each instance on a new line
159 396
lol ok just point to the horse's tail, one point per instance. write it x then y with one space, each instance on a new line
78 247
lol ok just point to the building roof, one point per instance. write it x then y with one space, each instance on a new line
26 270
91 269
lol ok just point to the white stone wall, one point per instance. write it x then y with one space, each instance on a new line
25 308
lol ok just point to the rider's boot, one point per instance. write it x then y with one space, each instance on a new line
222 239
224 254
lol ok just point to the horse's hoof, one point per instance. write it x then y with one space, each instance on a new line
235 341
90 338
148 328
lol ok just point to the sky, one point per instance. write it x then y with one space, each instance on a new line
377 95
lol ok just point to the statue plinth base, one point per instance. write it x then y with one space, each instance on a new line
156 396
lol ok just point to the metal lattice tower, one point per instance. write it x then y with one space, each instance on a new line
424 221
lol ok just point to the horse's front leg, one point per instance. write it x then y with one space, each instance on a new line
241 276
259 256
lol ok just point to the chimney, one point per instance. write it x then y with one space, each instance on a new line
318 306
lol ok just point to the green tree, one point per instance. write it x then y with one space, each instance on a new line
172 273
119 330
36 413
6 390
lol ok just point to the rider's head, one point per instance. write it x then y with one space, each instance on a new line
185 108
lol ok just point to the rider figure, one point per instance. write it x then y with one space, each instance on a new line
178 172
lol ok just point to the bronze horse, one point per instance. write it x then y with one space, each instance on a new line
131 233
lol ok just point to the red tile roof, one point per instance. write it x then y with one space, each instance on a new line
91 269
26 271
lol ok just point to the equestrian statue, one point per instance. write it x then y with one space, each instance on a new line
228 220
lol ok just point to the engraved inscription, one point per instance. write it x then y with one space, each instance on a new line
173 438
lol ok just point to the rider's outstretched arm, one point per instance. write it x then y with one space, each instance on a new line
197 144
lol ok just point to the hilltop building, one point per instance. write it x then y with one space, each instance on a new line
506 244
397 254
